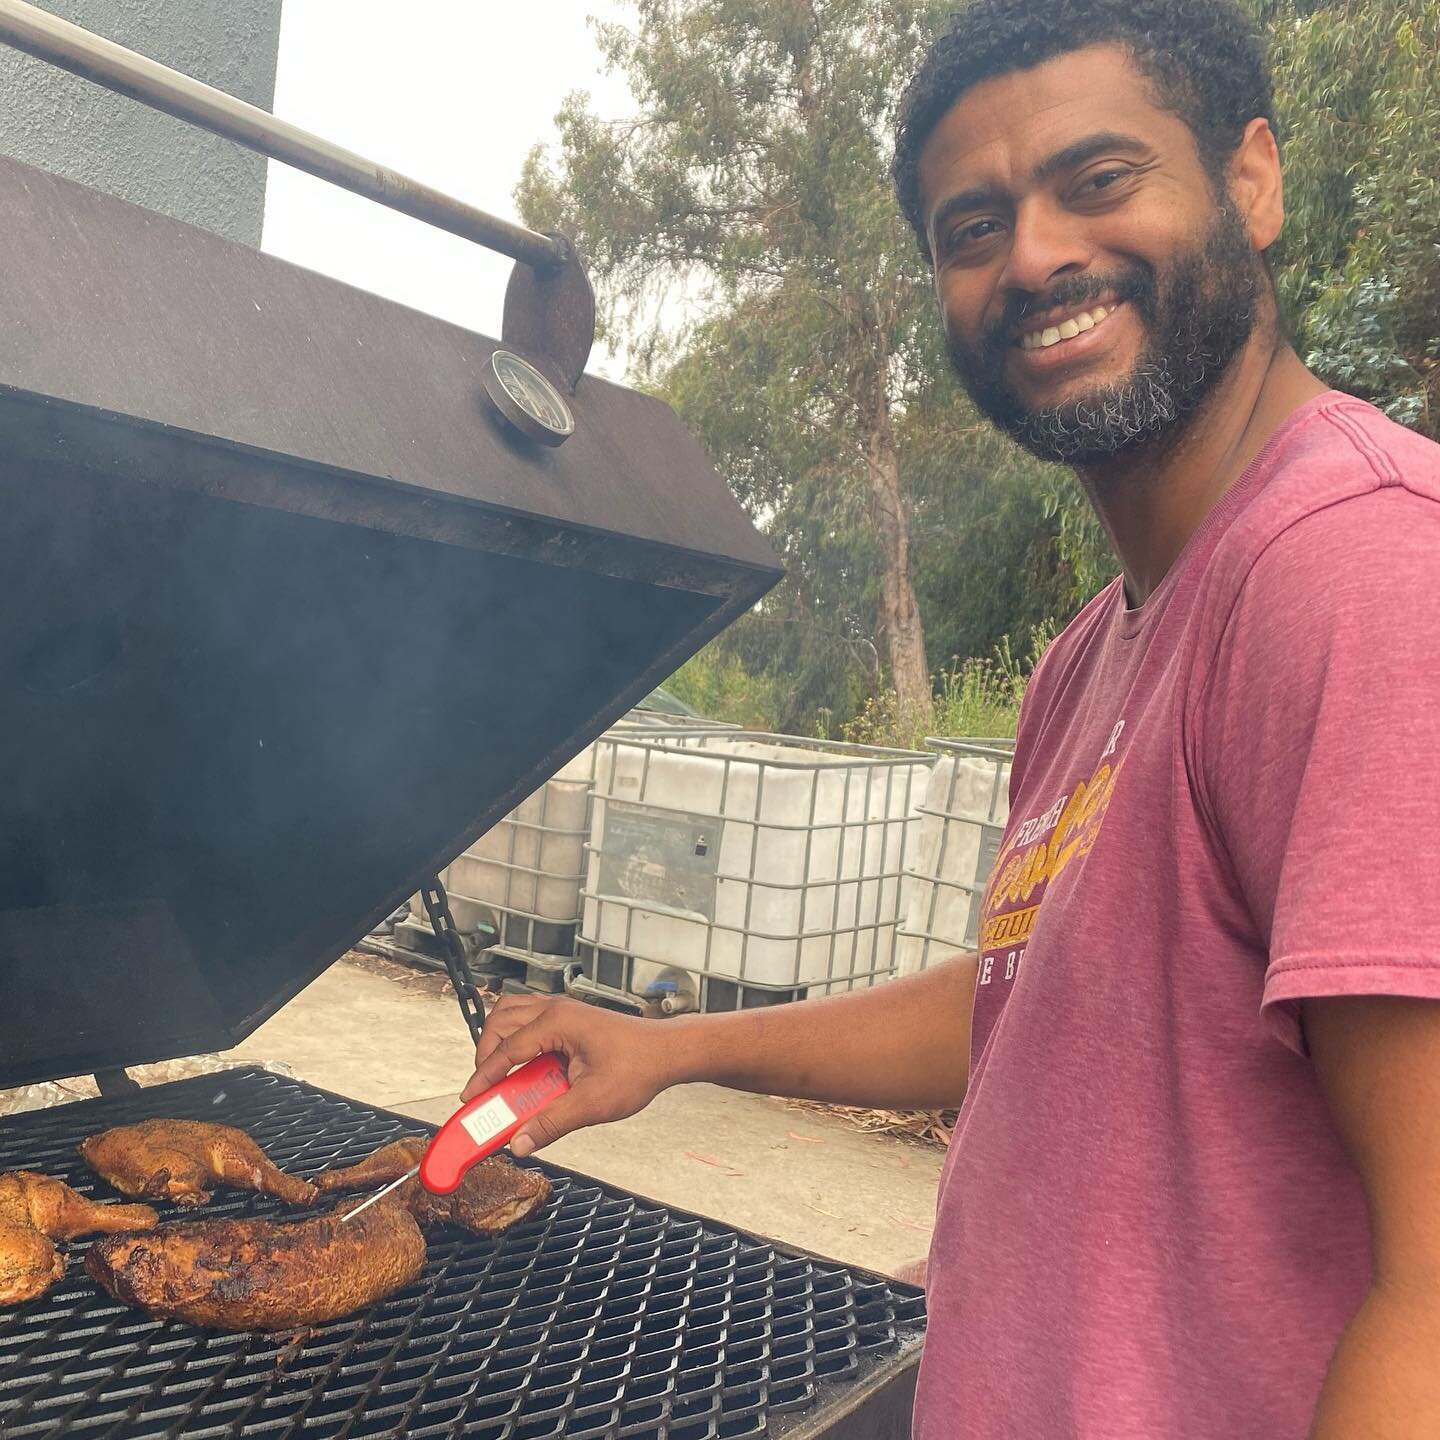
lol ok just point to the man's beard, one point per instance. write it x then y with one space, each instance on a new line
1197 315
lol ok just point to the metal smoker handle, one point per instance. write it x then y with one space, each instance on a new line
47 37
549 304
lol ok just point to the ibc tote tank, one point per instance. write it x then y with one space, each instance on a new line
962 819
528 869
770 862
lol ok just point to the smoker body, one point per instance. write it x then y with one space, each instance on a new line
240 498
603 1315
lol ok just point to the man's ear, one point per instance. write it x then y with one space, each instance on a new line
1257 185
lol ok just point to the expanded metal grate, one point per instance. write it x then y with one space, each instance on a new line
603 1315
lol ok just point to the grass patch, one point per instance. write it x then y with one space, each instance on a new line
977 698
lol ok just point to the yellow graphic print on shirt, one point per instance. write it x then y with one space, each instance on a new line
1034 855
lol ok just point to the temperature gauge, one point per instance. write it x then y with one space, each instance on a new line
527 400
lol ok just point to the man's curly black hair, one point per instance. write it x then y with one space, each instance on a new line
1204 58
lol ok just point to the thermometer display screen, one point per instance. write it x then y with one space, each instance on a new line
488 1120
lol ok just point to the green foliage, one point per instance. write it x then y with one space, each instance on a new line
751 192
1080 543
978 698
753 184
989 557
755 166
1358 90
719 687
806 637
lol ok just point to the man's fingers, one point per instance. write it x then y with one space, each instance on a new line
508 1006
500 1025
514 1049
570 1112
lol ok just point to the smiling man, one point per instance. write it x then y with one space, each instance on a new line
1194 1193
1177 1111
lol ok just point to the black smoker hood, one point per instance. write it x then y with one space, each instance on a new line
291 614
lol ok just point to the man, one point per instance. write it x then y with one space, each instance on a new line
1195 1188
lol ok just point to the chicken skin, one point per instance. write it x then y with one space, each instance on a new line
181 1160
378 1168
493 1196
263 1274
35 1211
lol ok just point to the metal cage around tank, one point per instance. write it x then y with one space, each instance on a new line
516 891
740 868
517 887
962 819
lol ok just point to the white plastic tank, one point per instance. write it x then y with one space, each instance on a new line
962 819
771 861
525 874
527 870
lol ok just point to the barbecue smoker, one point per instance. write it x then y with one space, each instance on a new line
239 500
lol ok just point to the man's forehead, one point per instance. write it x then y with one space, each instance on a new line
1004 127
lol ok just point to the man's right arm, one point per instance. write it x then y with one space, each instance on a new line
902 1044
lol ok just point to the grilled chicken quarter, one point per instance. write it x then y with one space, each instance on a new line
35 1211
263 1274
183 1160
493 1196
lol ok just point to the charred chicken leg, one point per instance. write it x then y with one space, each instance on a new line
35 1211
378 1168
181 1160
493 1196
262 1274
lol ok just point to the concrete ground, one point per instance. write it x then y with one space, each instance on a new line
393 1037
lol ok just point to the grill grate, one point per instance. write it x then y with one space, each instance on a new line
603 1315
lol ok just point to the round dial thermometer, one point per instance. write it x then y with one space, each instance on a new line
527 400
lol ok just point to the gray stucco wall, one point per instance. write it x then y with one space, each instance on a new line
74 128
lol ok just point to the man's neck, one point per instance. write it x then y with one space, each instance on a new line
1150 504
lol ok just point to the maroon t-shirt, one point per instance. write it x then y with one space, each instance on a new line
1223 802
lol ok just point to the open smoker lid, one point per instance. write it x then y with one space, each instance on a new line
291 615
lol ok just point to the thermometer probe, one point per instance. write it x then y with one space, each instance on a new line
480 1127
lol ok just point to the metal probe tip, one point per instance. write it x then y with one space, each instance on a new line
380 1194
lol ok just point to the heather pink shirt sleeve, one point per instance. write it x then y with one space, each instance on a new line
1318 744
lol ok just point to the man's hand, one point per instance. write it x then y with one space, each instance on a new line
617 1064
1378 1059
901 1045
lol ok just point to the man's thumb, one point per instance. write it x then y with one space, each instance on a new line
558 1118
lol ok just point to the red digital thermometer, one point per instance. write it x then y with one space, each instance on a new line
482 1125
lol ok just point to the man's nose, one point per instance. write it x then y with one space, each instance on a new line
1045 244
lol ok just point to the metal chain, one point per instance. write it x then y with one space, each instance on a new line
452 948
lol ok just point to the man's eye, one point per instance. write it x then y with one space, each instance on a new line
1104 179
970 233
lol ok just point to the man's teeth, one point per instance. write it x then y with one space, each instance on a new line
1068 330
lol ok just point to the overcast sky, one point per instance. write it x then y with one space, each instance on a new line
451 92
